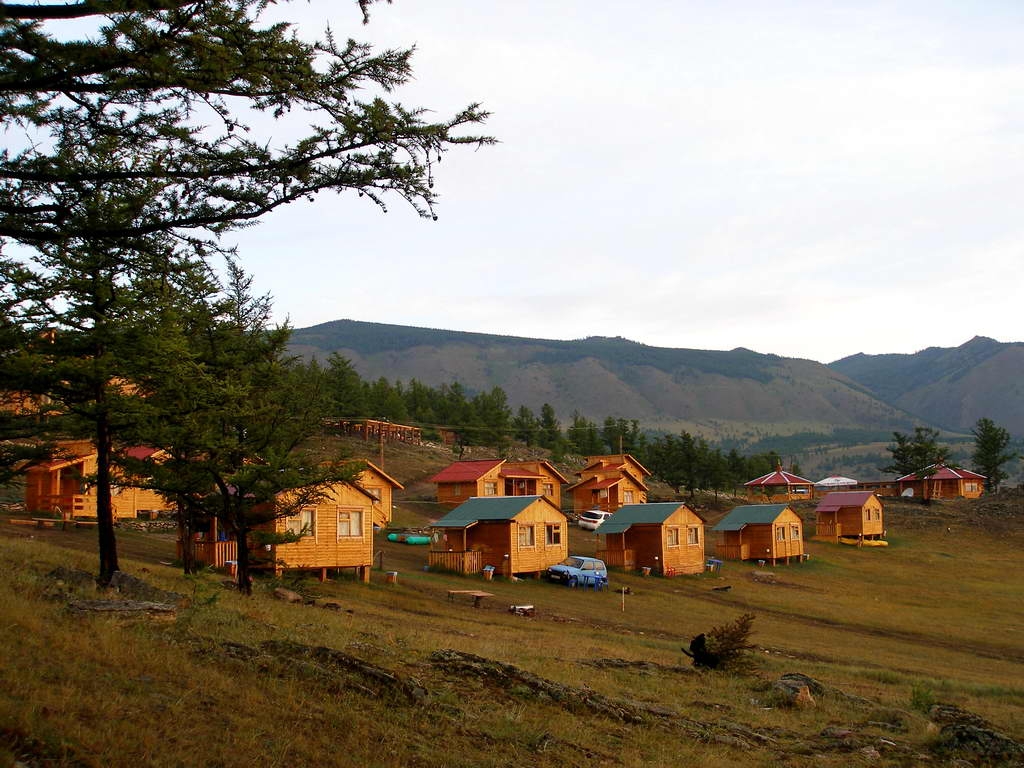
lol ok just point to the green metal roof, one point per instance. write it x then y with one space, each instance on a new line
749 514
639 514
481 508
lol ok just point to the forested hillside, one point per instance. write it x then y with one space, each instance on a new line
951 388
739 396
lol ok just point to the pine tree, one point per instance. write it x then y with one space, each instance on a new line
991 443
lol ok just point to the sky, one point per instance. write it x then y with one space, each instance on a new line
800 178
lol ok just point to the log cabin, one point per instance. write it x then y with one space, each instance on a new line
938 481
463 480
511 534
335 533
381 487
667 537
768 532
778 486
63 486
609 482
849 513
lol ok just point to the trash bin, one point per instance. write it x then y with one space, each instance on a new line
488 572
391 577
645 570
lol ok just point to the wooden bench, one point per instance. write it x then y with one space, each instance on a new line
476 594
86 523
50 522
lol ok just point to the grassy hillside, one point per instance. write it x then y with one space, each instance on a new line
399 675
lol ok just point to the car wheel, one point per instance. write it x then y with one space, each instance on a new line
572 581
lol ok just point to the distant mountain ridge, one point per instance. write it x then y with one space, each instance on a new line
739 395
950 387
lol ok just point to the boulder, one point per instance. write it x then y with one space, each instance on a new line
288 595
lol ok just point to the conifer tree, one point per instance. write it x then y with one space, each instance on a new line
991 452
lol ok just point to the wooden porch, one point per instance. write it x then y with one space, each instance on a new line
828 531
732 551
213 553
68 505
618 558
469 561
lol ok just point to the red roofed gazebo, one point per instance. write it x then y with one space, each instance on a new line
779 486
937 481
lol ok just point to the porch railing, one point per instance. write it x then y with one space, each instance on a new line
212 553
732 551
829 531
460 562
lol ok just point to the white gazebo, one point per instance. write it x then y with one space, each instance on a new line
835 481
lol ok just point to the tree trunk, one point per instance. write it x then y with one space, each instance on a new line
104 508
186 535
244 577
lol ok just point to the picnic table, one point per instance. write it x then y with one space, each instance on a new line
476 594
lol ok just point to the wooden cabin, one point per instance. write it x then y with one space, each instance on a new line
63 486
768 532
779 486
512 534
463 480
609 482
667 537
939 481
335 533
381 487
849 513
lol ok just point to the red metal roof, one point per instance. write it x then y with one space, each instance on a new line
779 477
140 452
946 473
520 473
466 471
839 499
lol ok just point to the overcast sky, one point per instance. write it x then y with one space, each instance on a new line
802 178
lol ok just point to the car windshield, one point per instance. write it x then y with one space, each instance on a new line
594 515
574 562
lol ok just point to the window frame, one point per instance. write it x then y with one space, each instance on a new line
529 533
350 512
553 534
672 536
295 521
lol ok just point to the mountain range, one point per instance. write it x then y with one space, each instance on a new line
737 396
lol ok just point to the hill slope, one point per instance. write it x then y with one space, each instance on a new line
739 394
951 387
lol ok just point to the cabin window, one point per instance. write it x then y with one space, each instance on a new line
603 493
526 536
671 537
456 489
627 497
553 536
780 533
350 523
794 532
549 489
375 492
490 489
302 523
693 535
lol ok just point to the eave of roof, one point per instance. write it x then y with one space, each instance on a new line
465 471
750 514
489 508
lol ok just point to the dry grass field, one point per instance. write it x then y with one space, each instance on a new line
229 681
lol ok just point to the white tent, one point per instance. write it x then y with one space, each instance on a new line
835 481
